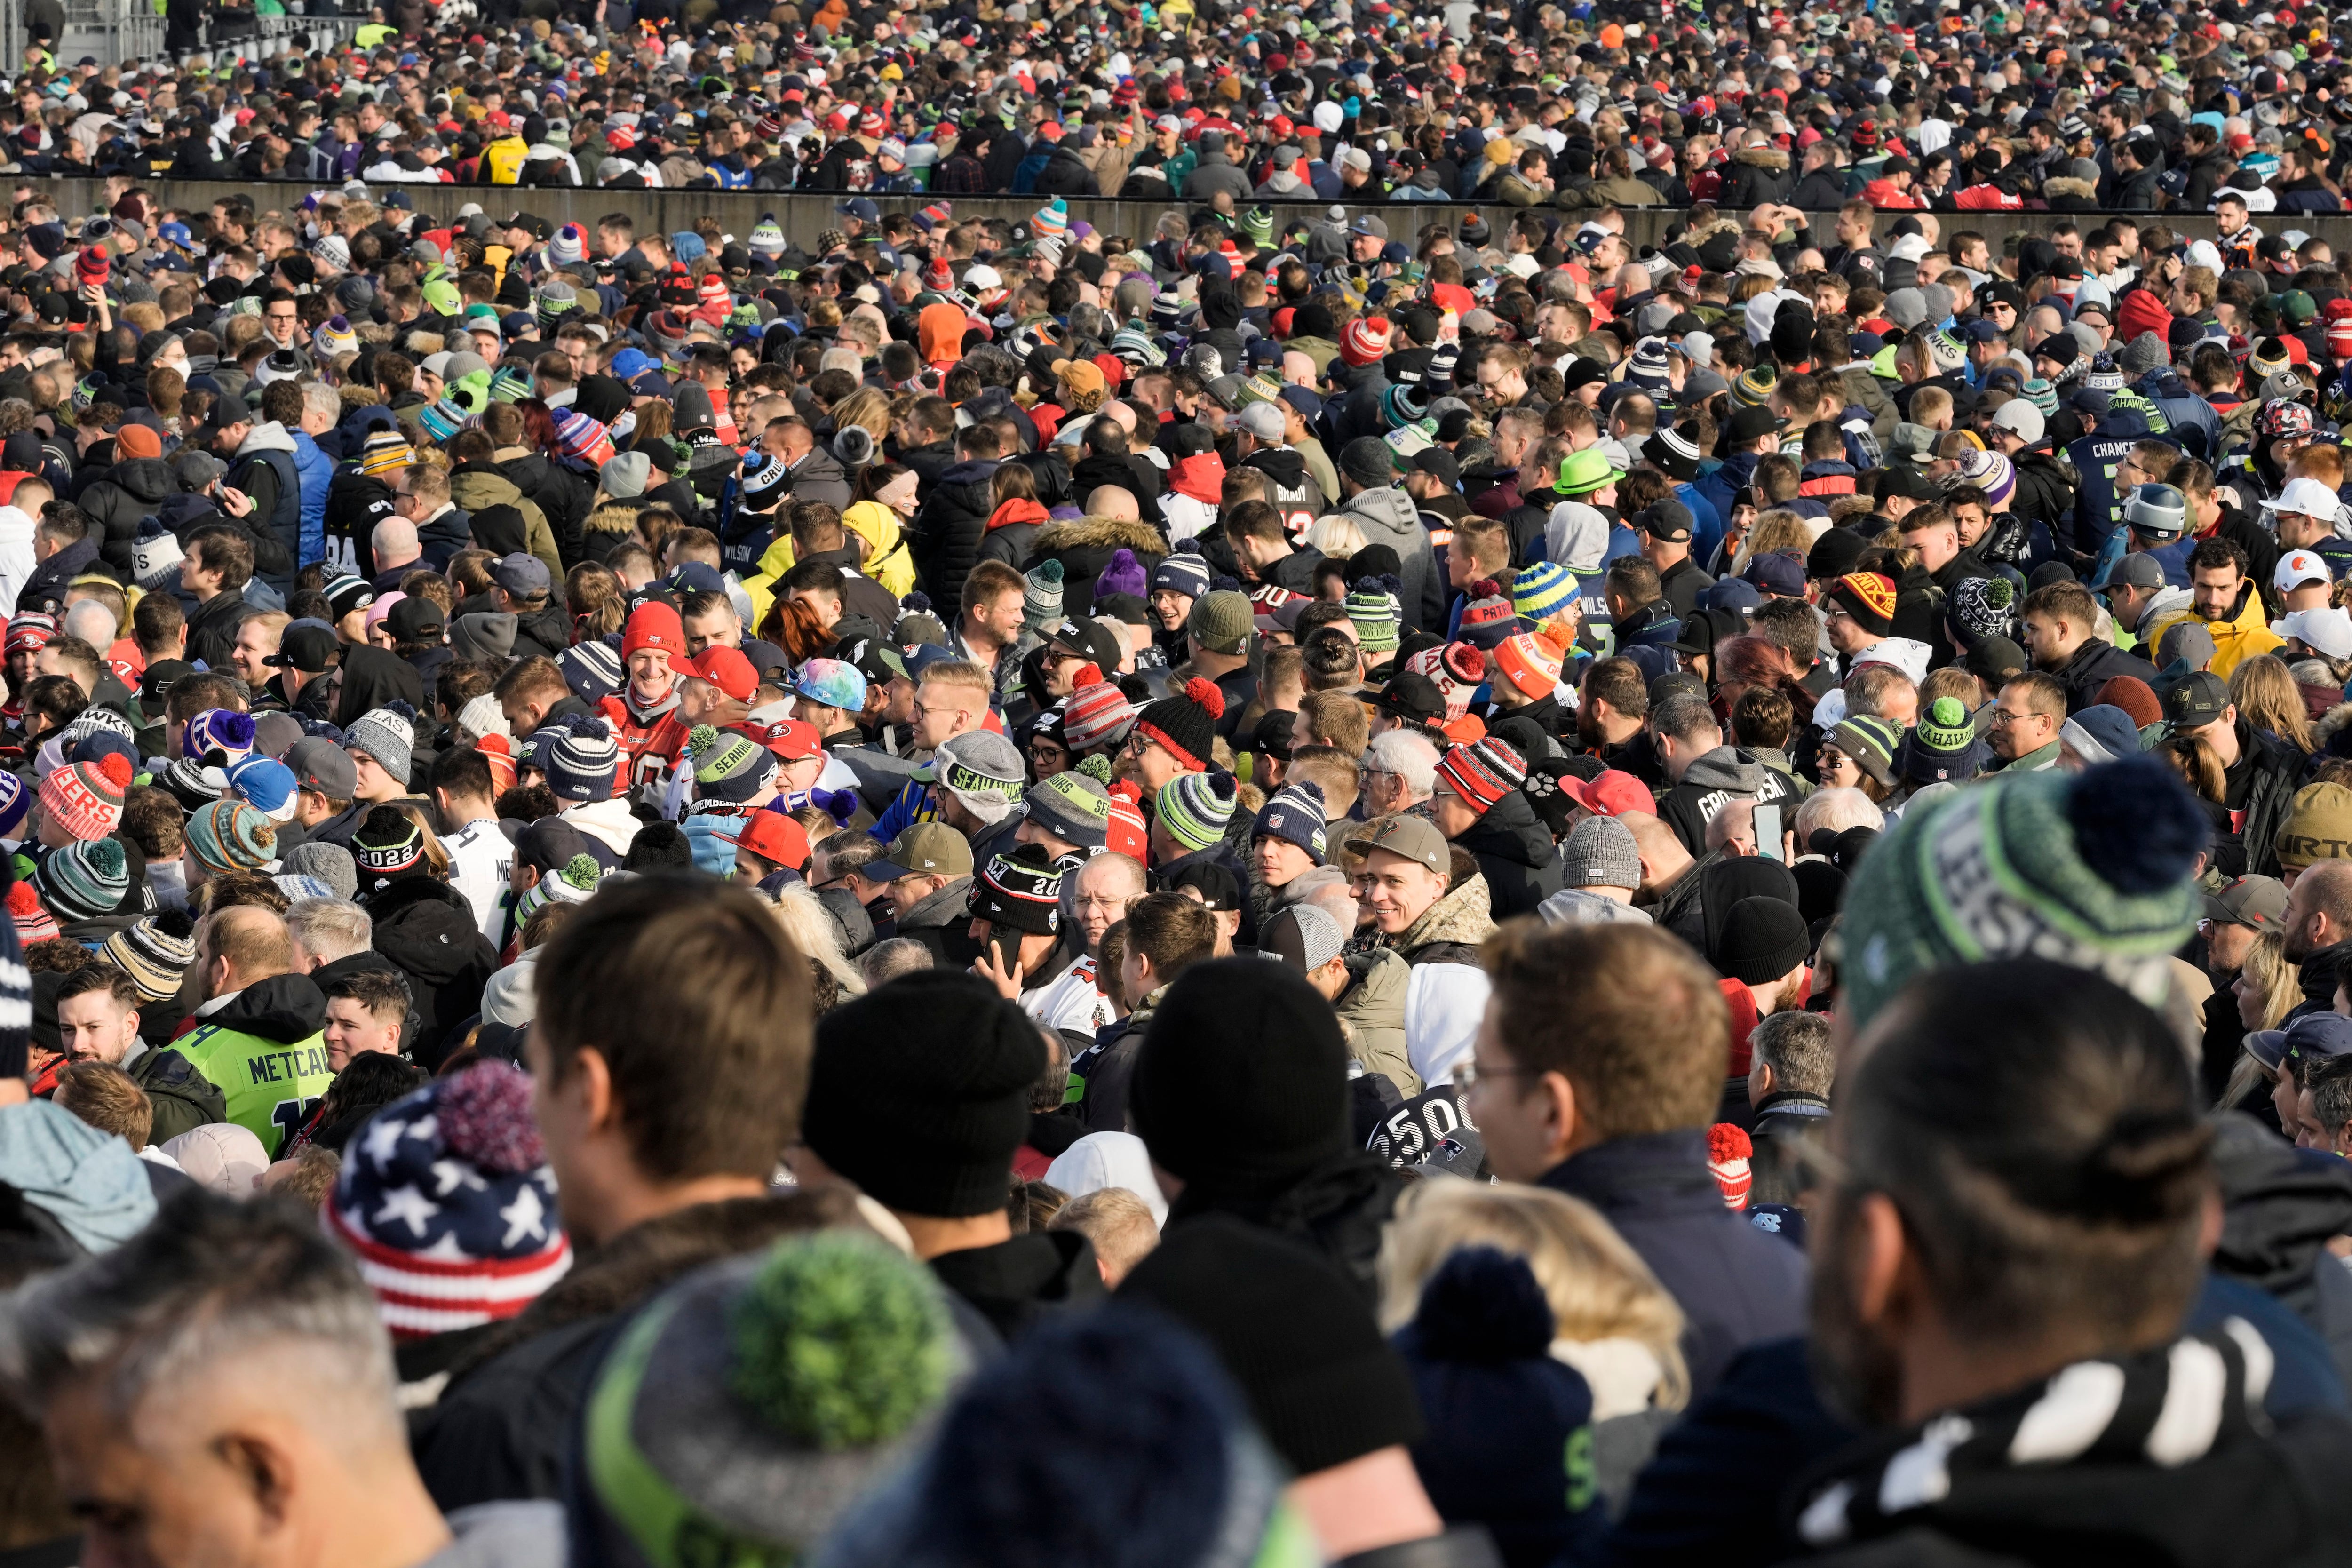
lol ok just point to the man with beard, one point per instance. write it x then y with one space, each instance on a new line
2011 1239
1596 1073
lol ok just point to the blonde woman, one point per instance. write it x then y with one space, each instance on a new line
1613 1321
1336 535
2266 697
2267 988
802 916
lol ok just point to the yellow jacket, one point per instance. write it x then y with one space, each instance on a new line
887 561
2244 636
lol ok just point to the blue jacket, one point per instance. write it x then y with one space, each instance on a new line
1736 1286
1724 483
315 470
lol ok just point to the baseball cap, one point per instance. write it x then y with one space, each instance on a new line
2197 701
1779 572
309 647
1303 936
1414 838
1612 794
2312 1037
925 850
772 836
2297 567
524 576
787 740
2258 903
322 766
2139 570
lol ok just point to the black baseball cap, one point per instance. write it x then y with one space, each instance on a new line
314 649
2197 701
1439 462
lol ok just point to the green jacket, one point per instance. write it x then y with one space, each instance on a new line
265 1051
1371 1017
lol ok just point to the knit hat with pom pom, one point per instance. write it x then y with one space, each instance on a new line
2091 869
446 1200
29 916
749 1406
728 769
86 799
1729 1151
581 759
84 880
1195 807
1125 574
1186 722
1098 712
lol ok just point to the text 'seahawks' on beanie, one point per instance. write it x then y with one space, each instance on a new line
2089 868
1185 724
447 1203
918 1129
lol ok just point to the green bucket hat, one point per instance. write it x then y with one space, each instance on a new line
1581 473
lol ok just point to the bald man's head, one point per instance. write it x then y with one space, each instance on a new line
1113 501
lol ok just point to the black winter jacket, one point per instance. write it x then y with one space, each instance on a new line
427 927
126 497
1516 855
948 530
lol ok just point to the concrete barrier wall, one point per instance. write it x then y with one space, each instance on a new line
805 216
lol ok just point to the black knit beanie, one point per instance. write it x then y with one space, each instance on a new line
1241 1083
920 1127
1185 722
1762 940
1324 1385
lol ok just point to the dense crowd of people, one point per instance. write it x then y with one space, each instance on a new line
1274 890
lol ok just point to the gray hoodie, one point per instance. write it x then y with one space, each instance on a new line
1386 516
1582 907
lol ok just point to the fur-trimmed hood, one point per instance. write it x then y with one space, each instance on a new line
2337 721
1098 533
1465 915
1770 158
2066 185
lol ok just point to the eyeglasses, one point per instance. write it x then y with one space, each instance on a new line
1468 1075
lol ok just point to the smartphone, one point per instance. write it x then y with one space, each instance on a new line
1006 942
1768 833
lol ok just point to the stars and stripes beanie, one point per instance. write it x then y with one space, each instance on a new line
1484 772
446 1200
86 798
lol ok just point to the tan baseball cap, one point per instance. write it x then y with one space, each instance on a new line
925 850
1414 838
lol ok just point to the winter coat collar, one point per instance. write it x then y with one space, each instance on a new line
1099 534
1464 915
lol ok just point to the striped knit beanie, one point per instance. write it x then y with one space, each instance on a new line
86 799
1530 662
1488 618
1098 712
84 880
1753 387
1041 596
1021 890
155 953
570 884
583 439
1365 340
1484 772
1294 813
385 452
1542 591
582 760
447 1203
2093 869
1185 573
15 805
388 847
231 836
728 769
1195 809
1052 221
1185 723
1375 604
1071 804
591 669
31 921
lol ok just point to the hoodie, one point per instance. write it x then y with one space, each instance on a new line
427 927
129 494
261 1046
1717 779
1582 907
1386 516
474 488
610 825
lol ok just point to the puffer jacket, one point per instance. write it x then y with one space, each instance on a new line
1386 516
1515 854
1085 546
477 487
1371 1017
120 502
947 532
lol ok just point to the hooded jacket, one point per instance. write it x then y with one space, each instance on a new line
477 487
129 494
1515 856
212 626
428 929
563 498
1386 516
1085 546
2243 634
183 1099
1446 994
263 1049
1756 174
1019 1283
1714 779
947 532
16 555
610 825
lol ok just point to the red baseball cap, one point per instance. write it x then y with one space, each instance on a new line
1613 793
725 668
772 836
789 740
